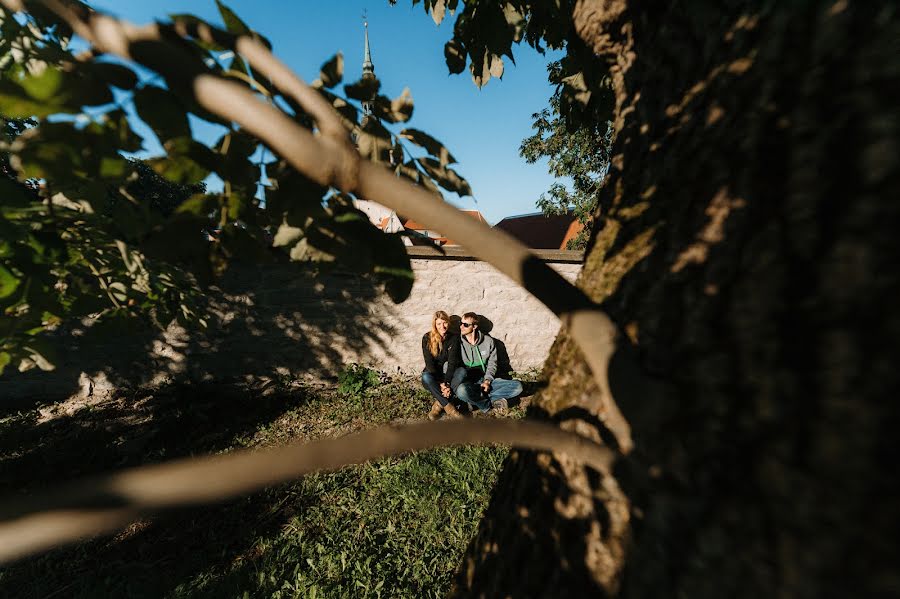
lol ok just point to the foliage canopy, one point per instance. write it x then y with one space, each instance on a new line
89 232
576 149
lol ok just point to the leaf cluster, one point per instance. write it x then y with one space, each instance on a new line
485 31
574 131
354 379
577 149
89 232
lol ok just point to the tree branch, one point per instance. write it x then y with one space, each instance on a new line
108 503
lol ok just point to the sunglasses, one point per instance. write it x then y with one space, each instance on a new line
466 325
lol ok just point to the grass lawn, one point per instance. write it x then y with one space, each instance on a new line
392 528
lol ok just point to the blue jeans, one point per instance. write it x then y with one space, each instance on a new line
433 384
470 390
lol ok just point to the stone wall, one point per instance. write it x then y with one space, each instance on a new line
287 321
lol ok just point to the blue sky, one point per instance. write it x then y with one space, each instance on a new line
482 128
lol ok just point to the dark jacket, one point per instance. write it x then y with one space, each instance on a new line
436 365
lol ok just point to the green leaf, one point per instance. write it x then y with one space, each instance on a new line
455 56
374 142
287 235
199 205
44 87
347 110
47 160
88 91
41 353
239 205
233 23
14 194
446 177
350 239
237 144
239 243
515 20
163 112
202 154
112 168
431 145
5 359
188 161
94 192
438 10
8 282
332 72
195 20
293 198
496 68
113 74
363 90
17 101
119 130
178 169
234 151
398 110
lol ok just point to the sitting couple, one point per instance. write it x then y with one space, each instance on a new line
464 365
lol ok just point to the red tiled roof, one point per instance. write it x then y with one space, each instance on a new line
542 232
572 232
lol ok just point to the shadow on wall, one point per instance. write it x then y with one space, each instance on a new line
265 324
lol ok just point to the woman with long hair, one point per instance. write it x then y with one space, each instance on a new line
440 348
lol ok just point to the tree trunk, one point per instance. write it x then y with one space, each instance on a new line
746 246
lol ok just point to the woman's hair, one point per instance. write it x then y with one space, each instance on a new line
435 342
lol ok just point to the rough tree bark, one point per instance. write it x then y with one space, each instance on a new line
745 244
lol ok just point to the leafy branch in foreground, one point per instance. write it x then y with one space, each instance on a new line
326 159
88 232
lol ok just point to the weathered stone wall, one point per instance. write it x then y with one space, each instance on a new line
284 321
457 284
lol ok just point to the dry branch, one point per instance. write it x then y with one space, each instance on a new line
108 503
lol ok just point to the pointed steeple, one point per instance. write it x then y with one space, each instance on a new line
368 67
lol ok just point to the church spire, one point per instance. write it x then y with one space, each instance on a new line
368 67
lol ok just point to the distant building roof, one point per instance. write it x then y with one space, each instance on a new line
542 232
411 225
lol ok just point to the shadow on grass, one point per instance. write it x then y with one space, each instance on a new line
397 526
148 559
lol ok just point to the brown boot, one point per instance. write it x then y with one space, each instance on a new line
436 410
451 411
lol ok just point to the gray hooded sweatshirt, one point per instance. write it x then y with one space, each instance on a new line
482 355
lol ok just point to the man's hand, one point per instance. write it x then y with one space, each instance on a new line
445 390
486 386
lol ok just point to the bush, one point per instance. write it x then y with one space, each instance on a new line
354 379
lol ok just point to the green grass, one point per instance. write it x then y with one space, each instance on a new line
392 528
395 528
